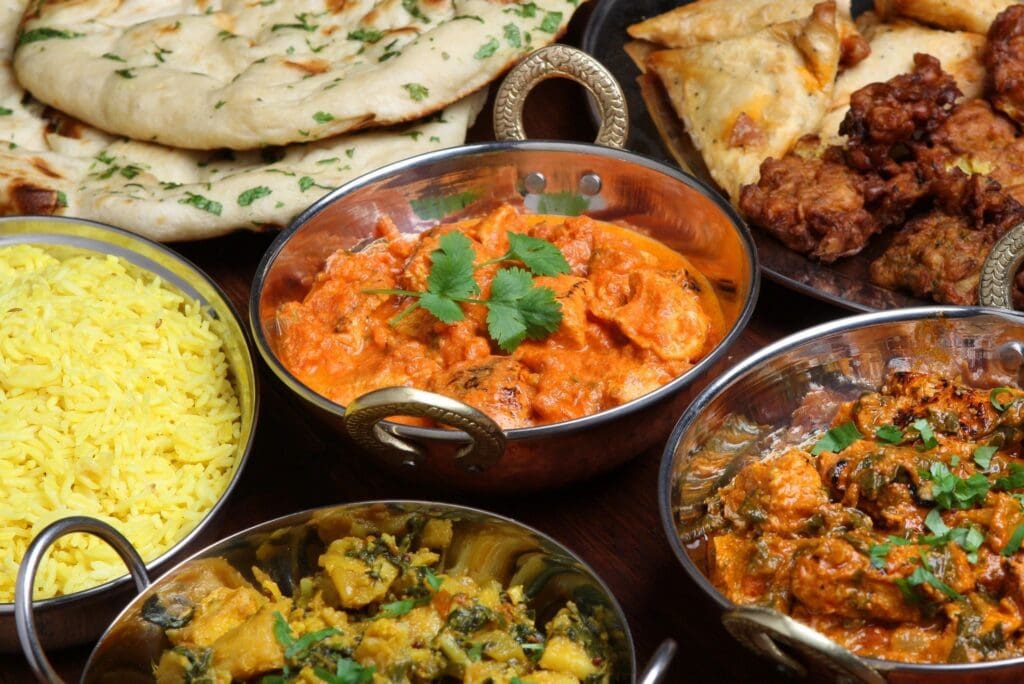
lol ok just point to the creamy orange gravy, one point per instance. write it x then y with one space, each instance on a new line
635 315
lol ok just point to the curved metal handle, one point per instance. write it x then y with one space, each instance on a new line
363 417
657 666
1000 268
561 61
762 630
24 618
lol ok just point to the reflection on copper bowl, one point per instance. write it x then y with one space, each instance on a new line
608 185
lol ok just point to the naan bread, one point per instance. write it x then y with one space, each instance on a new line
746 99
709 21
244 74
957 15
892 53
51 164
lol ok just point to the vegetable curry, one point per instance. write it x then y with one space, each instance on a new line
898 534
379 609
531 319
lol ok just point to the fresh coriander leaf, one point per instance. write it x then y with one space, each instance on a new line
301 644
541 312
416 91
1013 546
400 608
200 202
62 199
878 554
954 461
517 680
837 439
475 651
282 632
45 33
1015 480
113 57
512 35
365 35
933 521
347 671
926 576
924 428
487 49
527 10
4 111
125 73
323 117
252 194
505 325
452 272
444 309
432 580
983 456
997 403
551 22
413 8
540 256
890 434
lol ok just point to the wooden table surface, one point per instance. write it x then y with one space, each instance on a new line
612 522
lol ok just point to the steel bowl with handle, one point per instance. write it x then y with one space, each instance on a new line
599 181
79 617
484 545
749 411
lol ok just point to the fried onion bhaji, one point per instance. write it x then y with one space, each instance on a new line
1005 61
940 254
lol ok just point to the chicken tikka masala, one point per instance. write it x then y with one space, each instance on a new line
532 319
898 533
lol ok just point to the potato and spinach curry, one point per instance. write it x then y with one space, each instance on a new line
897 534
532 319
379 609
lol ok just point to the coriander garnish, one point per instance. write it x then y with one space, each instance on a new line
837 439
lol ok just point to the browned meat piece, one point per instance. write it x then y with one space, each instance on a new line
814 206
1005 61
499 386
886 119
940 254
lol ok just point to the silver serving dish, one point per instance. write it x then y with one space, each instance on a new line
287 549
750 410
79 617
601 182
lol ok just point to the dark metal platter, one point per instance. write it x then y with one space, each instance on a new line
845 283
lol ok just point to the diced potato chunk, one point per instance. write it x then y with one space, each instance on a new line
564 655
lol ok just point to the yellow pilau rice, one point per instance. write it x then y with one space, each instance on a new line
115 402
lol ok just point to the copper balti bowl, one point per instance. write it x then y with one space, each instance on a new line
749 411
608 184
79 617
484 545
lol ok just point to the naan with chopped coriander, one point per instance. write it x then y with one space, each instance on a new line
53 164
246 74
746 99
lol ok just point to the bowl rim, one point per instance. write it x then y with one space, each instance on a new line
246 442
750 293
304 516
715 388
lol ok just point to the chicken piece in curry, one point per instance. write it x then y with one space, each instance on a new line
631 315
377 611
898 534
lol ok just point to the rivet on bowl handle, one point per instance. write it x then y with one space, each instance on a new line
363 417
762 630
23 617
1001 266
561 61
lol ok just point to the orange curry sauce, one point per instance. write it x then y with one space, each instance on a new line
635 315
902 542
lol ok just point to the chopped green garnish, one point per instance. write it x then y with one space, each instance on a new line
890 434
113 57
44 33
1013 546
365 35
540 256
475 651
950 491
323 117
125 73
512 35
303 24
983 456
200 202
413 8
994 395
400 608
432 580
416 91
924 428
923 575
62 199
527 10
551 22
346 671
1015 480
487 49
252 194
933 521
837 439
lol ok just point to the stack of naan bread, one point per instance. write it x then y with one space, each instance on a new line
748 78
185 119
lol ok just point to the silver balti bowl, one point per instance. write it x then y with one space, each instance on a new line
537 177
484 546
79 617
752 409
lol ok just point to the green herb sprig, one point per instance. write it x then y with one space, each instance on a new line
517 309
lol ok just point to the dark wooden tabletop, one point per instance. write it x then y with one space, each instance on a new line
612 522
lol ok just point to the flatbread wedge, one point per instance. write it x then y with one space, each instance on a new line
957 15
893 46
52 164
746 99
245 74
